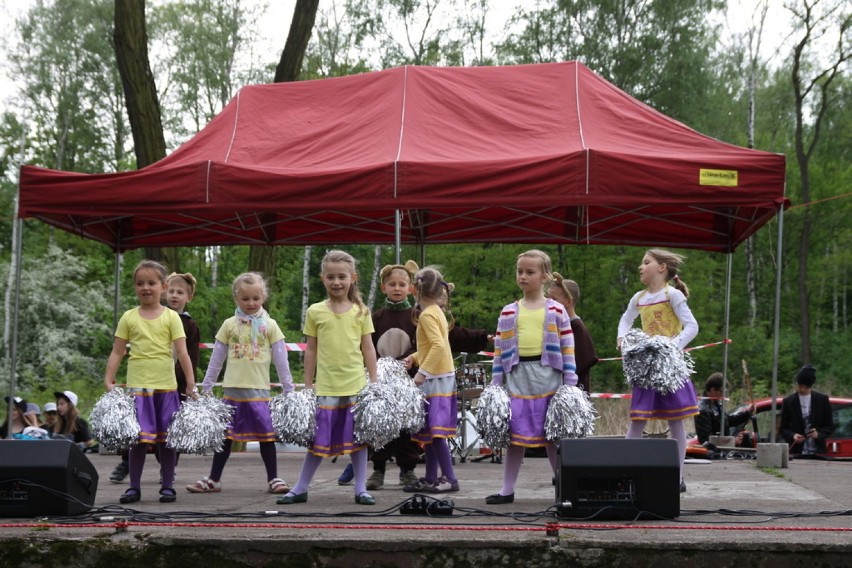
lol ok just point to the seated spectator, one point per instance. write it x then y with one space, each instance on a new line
806 419
49 415
709 420
32 408
69 424
18 421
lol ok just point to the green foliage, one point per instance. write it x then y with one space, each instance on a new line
661 52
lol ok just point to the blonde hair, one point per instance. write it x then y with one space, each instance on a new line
151 265
249 279
186 277
571 288
673 262
429 283
541 256
410 268
354 294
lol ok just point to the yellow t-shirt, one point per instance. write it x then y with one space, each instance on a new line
434 355
340 363
246 369
530 331
150 364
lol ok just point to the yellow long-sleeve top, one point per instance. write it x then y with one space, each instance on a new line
433 355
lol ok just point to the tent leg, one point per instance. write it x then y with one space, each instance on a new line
13 348
722 430
397 237
116 293
777 327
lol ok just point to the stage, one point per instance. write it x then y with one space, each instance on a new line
732 514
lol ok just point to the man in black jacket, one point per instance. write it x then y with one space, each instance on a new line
709 420
806 419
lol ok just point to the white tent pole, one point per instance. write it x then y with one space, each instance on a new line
17 261
722 430
777 329
13 351
397 237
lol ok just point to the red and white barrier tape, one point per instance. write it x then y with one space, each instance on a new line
705 346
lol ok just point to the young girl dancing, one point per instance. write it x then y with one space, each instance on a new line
664 311
154 331
533 356
180 289
249 340
436 377
338 331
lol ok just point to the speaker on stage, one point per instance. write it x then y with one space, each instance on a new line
617 478
45 478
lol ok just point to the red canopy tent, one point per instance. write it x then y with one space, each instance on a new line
547 153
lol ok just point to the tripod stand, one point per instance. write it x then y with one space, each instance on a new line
466 392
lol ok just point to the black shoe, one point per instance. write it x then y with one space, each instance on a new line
132 495
682 486
498 499
167 495
120 473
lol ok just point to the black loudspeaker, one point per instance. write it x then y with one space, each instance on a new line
616 478
45 478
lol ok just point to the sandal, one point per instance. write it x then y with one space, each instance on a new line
132 495
278 485
167 495
422 485
205 485
365 499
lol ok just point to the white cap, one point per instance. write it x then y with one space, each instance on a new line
67 394
33 407
50 407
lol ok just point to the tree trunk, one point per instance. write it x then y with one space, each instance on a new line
140 94
301 27
262 258
377 261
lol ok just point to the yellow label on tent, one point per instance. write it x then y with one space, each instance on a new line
727 178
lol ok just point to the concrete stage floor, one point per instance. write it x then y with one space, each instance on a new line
733 514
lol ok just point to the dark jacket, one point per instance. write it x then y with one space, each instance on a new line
792 421
709 420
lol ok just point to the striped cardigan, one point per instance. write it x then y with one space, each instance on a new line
557 350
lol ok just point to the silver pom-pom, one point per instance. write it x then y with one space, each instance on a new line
409 398
113 420
199 427
655 362
376 415
294 417
493 412
570 414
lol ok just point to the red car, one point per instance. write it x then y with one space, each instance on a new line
838 445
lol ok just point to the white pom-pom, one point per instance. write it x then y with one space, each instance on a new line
655 362
294 417
377 421
493 412
200 425
570 414
113 420
410 400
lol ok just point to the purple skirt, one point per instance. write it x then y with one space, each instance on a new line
154 411
252 421
335 427
530 385
442 412
648 404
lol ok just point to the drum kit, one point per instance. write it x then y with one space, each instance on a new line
471 379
